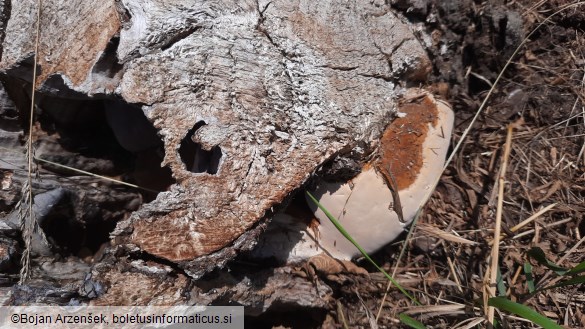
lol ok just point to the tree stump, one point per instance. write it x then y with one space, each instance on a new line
227 108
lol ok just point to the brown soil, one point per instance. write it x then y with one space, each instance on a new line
542 93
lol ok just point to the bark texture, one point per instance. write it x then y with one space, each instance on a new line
248 99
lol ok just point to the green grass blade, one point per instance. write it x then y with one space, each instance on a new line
523 311
411 322
570 282
529 277
577 269
362 251
500 284
538 255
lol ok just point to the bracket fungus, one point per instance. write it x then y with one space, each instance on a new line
247 99
409 159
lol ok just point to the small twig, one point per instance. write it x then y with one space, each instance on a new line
533 217
454 273
493 273
514 279
551 225
528 220
95 175
106 178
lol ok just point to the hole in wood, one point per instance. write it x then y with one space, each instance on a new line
105 137
196 158
108 64
67 232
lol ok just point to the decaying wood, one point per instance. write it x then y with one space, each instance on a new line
262 93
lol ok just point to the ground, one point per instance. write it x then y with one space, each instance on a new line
542 94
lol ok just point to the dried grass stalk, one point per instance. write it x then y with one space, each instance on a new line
28 221
493 271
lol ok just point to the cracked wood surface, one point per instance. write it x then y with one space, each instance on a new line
282 86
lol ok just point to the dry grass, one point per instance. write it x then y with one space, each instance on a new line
29 224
